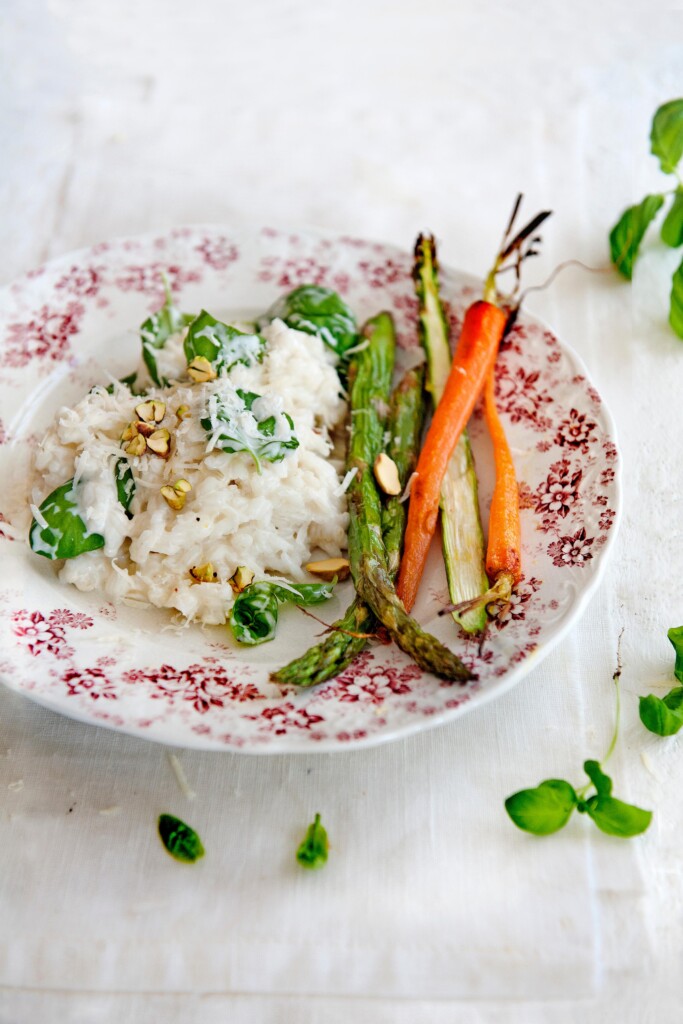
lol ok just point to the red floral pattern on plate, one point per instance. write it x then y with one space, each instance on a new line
116 666
47 635
44 336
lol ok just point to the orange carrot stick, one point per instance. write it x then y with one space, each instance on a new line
504 549
503 554
474 359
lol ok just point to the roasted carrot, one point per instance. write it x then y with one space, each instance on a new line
475 356
503 553
484 327
504 548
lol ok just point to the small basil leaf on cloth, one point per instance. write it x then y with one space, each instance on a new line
663 715
602 782
672 228
181 841
675 635
224 346
617 818
543 810
666 135
312 852
676 301
320 311
155 332
627 234
57 530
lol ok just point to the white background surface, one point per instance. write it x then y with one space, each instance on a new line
373 119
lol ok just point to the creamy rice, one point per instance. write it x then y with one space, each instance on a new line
270 521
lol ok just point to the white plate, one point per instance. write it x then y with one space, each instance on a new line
73 323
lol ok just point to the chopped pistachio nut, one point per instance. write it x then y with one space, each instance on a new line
136 446
201 370
130 432
204 573
175 495
241 578
146 429
160 442
151 411
329 568
182 412
386 474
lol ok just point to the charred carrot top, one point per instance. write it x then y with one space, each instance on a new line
475 356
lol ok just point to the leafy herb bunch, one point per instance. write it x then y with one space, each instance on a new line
548 807
666 143
664 715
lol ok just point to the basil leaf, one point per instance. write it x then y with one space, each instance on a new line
675 635
543 810
666 135
676 302
129 381
66 535
617 818
312 852
181 841
254 615
155 332
222 345
304 593
602 782
125 484
231 430
672 228
663 716
320 311
627 234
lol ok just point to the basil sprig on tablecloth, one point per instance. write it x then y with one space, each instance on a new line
666 143
548 807
664 715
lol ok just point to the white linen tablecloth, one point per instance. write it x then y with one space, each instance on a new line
377 120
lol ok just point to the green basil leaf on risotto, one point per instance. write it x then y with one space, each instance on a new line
125 484
242 421
320 311
157 329
224 346
254 615
130 382
57 530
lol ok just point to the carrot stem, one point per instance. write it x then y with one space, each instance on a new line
475 356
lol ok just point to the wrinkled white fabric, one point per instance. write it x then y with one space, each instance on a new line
374 121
